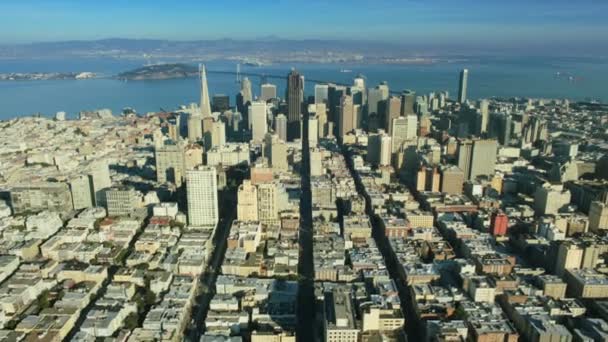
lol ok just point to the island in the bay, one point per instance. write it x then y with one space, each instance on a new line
38 76
160 72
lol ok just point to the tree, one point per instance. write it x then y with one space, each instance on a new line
132 321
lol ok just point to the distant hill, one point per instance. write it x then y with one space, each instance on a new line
160 72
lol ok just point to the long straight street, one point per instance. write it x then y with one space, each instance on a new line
306 298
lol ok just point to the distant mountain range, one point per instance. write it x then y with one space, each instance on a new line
274 49
269 48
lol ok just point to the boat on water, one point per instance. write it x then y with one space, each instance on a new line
346 70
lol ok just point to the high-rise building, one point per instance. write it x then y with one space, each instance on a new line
269 91
477 157
246 91
195 127
316 162
598 216
452 180
465 153
218 133
38 197
220 103
121 201
99 177
201 193
379 149
193 156
499 223
408 102
421 179
170 166
280 126
393 111
247 207
399 133
275 151
500 125
375 96
433 179
268 206
321 93
569 257
484 110
347 116
483 160
81 192
295 98
321 115
549 199
208 125
313 131
259 125
412 126
462 86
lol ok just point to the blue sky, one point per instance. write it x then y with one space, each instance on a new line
510 22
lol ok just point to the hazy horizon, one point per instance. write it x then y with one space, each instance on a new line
516 26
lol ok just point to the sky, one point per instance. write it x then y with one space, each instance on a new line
576 24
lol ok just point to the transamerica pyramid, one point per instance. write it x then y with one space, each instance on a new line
205 105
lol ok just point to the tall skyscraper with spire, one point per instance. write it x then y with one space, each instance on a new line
205 104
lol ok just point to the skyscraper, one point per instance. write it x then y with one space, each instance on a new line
220 103
268 202
205 105
259 126
393 111
484 111
170 163
465 151
275 150
408 102
462 86
379 149
321 93
195 127
280 126
484 158
269 91
81 192
246 90
321 114
347 115
313 131
358 90
201 191
412 126
452 179
100 181
218 133
598 215
295 97
375 95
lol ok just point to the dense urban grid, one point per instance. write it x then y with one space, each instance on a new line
359 213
